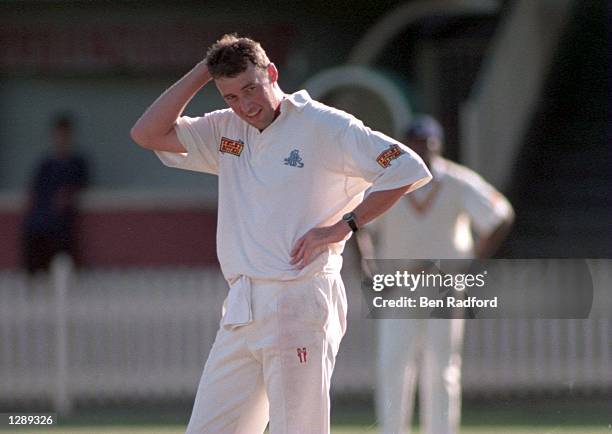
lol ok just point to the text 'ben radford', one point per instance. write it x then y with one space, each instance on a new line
427 302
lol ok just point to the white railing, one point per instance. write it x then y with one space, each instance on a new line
112 334
139 333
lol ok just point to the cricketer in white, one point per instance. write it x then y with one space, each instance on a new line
437 222
289 168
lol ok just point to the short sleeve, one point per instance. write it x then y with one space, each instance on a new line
486 207
200 137
384 163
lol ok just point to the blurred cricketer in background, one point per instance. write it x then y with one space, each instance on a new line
292 173
435 222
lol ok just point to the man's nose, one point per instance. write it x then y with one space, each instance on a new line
246 105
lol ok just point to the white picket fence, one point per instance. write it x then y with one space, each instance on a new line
142 334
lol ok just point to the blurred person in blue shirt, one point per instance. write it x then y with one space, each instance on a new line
52 206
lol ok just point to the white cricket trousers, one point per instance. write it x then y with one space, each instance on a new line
427 351
278 367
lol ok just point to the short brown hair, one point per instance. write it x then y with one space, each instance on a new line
229 56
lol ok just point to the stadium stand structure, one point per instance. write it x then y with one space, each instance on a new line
562 179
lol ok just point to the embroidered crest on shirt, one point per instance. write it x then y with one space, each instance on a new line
294 159
229 146
388 155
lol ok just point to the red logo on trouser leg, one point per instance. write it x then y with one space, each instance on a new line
301 353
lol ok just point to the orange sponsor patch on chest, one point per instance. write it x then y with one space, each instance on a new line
388 155
229 146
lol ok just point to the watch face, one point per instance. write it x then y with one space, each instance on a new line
350 220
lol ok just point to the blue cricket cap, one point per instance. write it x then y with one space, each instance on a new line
423 127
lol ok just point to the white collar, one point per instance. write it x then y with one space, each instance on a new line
298 99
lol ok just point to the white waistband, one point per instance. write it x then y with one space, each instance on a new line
238 306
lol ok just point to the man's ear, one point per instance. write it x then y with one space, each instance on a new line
272 73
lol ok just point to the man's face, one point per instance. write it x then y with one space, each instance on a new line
426 148
251 95
62 139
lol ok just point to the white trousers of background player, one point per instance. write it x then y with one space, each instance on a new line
427 351
277 367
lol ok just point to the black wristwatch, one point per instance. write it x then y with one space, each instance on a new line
349 218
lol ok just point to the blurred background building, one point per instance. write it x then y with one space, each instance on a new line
521 87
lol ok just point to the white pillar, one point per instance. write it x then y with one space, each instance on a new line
61 272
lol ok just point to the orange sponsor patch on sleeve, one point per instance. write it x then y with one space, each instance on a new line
229 146
388 155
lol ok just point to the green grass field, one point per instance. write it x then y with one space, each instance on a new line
569 415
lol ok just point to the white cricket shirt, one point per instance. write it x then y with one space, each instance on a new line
305 170
460 200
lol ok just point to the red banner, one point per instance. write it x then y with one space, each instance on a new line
117 47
